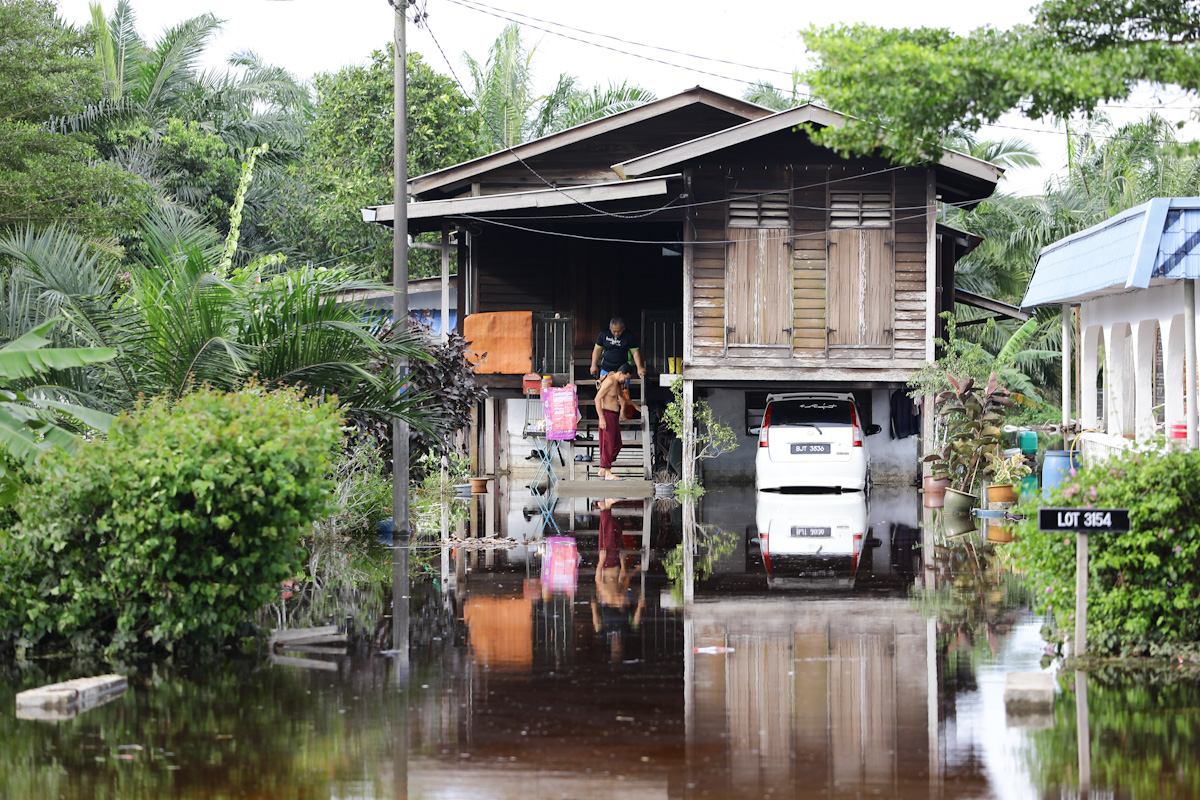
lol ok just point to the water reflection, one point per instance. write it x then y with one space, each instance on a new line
650 650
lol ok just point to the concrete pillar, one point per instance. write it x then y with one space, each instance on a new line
1143 343
1173 356
1092 341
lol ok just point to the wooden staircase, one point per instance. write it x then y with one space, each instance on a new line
636 457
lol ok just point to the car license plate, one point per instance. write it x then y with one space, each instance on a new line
808 448
811 532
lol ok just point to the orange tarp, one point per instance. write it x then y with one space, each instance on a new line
501 342
500 631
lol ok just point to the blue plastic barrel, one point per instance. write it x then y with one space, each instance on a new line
1057 467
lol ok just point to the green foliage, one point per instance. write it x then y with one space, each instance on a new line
174 529
33 420
970 358
45 65
708 436
971 415
348 162
913 87
362 493
1142 728
449 380
1144 586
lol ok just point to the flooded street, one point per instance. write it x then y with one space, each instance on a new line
758 647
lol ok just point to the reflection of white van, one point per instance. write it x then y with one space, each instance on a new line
814 537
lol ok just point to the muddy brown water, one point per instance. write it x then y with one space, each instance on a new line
636 650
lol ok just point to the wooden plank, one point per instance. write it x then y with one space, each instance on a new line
809 324
304 663
800 302
280 635
809 294
704 291
315 649
716 312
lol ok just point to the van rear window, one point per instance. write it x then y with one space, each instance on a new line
816 412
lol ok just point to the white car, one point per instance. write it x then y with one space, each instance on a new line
811 540
812 440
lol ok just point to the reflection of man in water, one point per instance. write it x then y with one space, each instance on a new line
610 608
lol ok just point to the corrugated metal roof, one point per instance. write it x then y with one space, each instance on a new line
1159 239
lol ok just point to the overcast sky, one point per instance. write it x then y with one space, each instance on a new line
759 37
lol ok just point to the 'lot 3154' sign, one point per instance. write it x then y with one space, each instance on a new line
1084 520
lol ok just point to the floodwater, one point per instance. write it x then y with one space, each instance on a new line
752 647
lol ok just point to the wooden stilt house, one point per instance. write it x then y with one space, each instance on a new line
724 237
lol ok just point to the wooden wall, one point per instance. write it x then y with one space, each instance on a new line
899 309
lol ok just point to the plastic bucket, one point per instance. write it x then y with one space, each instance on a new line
1028 442
1057 467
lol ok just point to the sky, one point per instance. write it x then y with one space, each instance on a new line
737 43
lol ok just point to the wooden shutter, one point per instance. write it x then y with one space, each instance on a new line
758 287
862 288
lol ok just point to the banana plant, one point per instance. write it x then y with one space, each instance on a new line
31 421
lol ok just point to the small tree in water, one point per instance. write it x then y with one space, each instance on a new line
707 438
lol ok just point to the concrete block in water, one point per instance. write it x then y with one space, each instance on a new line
1026 690
64 700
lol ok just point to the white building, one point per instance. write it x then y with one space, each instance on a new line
1131 280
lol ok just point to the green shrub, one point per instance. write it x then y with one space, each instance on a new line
1144 586
176 528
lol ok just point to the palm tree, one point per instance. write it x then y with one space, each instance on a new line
150 90
183 323
511 111
600 102
767 94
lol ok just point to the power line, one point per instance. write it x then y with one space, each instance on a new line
477 6
661 242
483 10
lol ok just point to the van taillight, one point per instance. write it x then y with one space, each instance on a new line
857 431
762 429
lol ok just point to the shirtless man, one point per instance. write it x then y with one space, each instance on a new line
610 403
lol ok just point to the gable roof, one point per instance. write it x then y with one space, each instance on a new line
694 97
974 169
1156 241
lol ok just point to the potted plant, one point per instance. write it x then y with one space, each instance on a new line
972 416
1005 471
936 483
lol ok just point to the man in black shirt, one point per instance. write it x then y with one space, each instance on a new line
613 349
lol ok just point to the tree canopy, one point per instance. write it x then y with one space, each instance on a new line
911 87
46 71
348 161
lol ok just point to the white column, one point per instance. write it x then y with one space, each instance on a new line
1173 358
1189 329
1143 371
1090 418
1067 365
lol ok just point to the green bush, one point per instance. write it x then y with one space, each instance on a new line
176 528
1144 586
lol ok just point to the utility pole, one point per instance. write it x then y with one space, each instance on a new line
401 527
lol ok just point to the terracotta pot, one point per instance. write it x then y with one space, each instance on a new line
999 533
935 491
479 485
957 502
1001 493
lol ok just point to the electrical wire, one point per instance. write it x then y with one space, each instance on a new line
662 242
484 8
514 153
